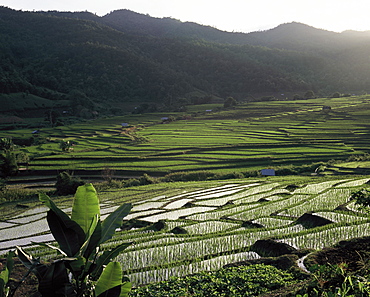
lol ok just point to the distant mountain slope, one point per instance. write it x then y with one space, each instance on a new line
293 36
125 58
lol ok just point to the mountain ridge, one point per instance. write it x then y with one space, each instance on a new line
83 58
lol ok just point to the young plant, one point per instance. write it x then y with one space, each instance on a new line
4 275
81 269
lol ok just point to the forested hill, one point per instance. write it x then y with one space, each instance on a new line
126 58
292 36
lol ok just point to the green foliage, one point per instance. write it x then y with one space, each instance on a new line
6 144
67 184
2 185
362 197
230 102
8 159
146 179
66 145
229 282
189 176
79 239
17 194
59 59
8 163
334 280
309 95
336 95
111 184
141 181
4 275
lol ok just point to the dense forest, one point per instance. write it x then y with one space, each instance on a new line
85 62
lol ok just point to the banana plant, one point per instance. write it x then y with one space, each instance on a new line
81 268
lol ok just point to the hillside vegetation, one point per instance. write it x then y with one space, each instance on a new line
124 59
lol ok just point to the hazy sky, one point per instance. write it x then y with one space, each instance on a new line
230 15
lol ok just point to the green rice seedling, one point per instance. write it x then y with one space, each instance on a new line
175 214
328 200
281 207
266 196
201 192
354 183
217 214
145 213
210 227
177 204
327 237
213 193
226 196
162 274
272 222
255 190
148 205
173 224
186 251
158 242
317 188
338 217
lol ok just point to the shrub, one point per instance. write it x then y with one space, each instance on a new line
67 184
336 95
189 176
17 194
8 163
230 102
232 175
309 95
362 197
335 280
132 182
240 281
147 180
111 184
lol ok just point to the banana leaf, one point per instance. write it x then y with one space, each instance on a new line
70 238
106 257
63 222
55 281
31 263
125 289
111 277
113 221
85 206
94 241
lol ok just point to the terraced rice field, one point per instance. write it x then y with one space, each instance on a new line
188 227
252 136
